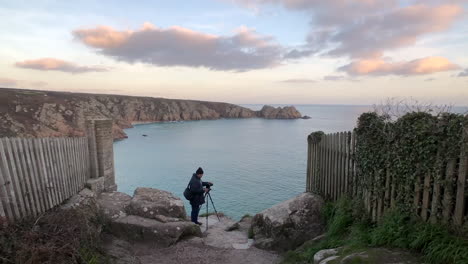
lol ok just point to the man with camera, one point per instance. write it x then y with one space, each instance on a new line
196 189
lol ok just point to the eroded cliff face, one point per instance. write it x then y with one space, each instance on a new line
50 114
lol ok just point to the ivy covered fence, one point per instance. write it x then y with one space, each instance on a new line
417 163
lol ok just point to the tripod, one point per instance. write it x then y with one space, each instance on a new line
207 194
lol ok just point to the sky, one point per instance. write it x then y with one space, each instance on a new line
240 51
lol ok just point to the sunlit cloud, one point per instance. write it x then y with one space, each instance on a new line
52 64
415 67
177 46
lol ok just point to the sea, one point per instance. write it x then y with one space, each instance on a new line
253 163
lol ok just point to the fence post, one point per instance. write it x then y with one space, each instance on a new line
101 153
309 163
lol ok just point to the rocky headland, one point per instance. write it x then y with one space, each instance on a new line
33 113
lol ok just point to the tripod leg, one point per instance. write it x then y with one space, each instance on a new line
207 216
209 195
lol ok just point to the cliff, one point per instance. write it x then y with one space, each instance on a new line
32 113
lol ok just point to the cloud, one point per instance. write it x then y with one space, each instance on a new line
8 82
51 64
177 46
366 29
380 66
463 73
334 78
396 29
299 81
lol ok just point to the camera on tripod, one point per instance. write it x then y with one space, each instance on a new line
209 184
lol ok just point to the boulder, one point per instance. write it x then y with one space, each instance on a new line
114 204
137 228
369 255
83 198
289 224
157 204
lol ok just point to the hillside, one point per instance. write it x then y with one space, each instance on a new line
33 113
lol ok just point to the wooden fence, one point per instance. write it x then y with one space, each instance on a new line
332 173
37 174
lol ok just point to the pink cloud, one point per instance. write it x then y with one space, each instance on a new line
178 46
51 64
364 30
8 82
379 66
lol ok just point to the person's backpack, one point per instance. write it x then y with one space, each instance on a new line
188 193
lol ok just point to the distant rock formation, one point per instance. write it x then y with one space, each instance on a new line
288 112
32 113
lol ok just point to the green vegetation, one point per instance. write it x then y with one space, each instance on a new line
408 148
245 216
348 226
58 236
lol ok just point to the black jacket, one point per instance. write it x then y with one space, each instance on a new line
196 187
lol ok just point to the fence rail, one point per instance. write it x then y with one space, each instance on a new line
332 172
36 174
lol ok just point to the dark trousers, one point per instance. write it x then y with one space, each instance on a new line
194 214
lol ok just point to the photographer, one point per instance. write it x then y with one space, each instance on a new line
196 188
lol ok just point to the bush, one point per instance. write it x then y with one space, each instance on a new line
58 236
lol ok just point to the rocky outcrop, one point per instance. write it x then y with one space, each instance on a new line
151 215
114 204
288 112
31 113
157 204
289 224
137 228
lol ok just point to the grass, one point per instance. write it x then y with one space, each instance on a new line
348 226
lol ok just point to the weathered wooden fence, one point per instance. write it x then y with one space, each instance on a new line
332 173
37 174
331 167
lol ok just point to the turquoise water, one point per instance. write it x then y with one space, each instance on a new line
253 163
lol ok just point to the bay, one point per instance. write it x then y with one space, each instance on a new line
253 163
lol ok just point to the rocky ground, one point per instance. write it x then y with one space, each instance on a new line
32 113
151 227
215 246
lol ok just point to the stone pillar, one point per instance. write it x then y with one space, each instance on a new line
101 149
93 163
